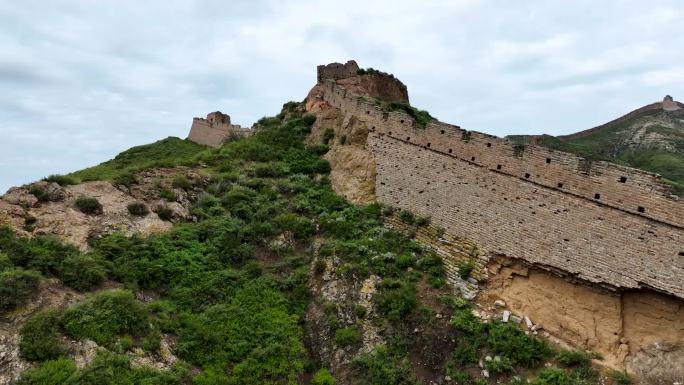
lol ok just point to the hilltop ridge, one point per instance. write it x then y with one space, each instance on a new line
650 138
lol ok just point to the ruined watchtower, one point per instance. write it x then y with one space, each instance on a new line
337 71
214 130
669 104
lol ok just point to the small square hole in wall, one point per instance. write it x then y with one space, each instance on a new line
597 196
681 253
472 159
389 133
429 144
623 179
367 112
401 121
373 128
489 145
560 185
450 151
442 132
641 209
527 175
548 160
498 167
408 138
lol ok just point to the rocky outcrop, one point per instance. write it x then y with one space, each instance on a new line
56 213
352 167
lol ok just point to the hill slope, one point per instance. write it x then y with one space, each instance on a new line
650 138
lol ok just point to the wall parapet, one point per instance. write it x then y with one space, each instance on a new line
623 188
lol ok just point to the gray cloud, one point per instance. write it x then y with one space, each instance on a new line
82 81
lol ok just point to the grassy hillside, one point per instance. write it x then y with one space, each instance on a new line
232 288
651 140
167 152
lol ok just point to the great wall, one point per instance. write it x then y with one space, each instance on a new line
592 251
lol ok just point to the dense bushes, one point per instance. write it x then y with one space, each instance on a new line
323 377
17 286
62 180
49 373
347 336
505 340
40 339
82 272
88 205
138 209
105 316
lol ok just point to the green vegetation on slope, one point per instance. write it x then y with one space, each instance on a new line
167 152
233 286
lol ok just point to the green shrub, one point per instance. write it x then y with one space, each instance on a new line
108 368
17 286
88 205
465 268
422 221
383 367
164 212
167 195
82 272
62 180
573 358
126 178
328 135
553 376
5 262
620 378
500 365
396 300
55 372
421 117
181 182
347 336
138 209
40 340
511 342
360 311
39 193
323 377
106 315
406 216
319 266
29 222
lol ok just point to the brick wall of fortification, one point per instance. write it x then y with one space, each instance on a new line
603 223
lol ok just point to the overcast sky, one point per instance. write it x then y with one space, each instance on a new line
81 81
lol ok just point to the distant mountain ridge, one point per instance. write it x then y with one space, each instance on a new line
650 138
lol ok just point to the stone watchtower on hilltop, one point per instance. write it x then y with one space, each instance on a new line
669 104
369 82
214 130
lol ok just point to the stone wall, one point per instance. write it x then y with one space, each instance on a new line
596 250
610 225
214 130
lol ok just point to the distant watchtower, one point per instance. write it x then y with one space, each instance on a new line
214 130
669 104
